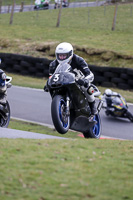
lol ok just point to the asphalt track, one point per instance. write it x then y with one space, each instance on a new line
13 134
35 105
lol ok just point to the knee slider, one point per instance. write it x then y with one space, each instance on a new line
90 90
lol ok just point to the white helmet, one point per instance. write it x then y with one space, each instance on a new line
108 92
64 52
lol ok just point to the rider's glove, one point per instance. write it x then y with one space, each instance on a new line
46 87
83 82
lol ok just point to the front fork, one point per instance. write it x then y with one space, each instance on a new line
67 105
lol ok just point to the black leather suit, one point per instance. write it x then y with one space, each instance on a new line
77 62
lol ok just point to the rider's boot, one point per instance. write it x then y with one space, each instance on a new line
93 110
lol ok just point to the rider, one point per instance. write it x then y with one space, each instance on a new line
109 95
64 54
57 4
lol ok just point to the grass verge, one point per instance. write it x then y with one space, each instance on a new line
33 127
27 81
71 169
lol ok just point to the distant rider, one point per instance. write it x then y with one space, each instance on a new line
57 4
109 95
64 54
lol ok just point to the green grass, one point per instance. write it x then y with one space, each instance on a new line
97 33
75 168
65 169
33 127
89 28
27 81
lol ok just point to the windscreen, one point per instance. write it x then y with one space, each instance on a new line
63 68
116 100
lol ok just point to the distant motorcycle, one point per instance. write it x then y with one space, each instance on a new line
116 106
5 108
65 3
69 107
41 5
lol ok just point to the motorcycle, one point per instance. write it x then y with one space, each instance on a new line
40 5
5 108
69 107
116 106
65 3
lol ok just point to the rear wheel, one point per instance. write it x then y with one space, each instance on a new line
61 119
95 130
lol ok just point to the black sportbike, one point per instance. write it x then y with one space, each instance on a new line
69 107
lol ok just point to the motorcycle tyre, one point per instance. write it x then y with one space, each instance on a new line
97 127
36 7
6 122
129 116
57 121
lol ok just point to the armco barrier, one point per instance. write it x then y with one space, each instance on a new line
39 67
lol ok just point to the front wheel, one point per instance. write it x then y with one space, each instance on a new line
36 7
95 130
61 119
129 116
5 115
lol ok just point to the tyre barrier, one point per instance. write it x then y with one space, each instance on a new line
25 65
113 77
39 67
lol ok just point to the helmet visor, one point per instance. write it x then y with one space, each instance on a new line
62 56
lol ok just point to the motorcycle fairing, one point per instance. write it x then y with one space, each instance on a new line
119 103
118 113
118 107
78 98
81 124
2 82
66 80
61 79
